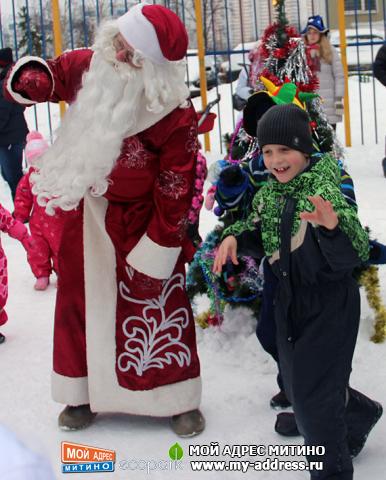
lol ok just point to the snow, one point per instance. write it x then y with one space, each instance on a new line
238 376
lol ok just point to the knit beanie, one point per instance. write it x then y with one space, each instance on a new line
286 125
36 146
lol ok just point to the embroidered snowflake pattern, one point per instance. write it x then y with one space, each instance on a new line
134 154
182 226
192 144
156 342
172 185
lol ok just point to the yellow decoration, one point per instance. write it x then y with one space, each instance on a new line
274 91
202 319
270 86
370 280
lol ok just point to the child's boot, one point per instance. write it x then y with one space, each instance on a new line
384 166
188 424
42 283
286 425
280 401
362 414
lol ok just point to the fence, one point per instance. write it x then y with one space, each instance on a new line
231 28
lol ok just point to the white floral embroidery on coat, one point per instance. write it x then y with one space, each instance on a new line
172 185
134 154
149 345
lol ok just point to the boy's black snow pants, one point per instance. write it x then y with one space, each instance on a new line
316 336
266 327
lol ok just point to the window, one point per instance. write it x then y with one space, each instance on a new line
361 6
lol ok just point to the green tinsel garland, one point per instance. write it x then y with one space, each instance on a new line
370 281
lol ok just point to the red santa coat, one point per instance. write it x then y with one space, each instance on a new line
118 345
46 230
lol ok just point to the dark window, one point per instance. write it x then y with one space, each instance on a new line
360 5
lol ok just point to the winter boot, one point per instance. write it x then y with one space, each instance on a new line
76 418
42 283
361 415
280 401
384 166
2 338
188 424
286 425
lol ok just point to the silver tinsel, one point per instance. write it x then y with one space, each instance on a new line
337 148
295 67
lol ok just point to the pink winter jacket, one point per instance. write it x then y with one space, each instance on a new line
15 229
27 209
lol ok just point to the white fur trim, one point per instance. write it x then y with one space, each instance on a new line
140 34
152 259
20 63
69 390
106 395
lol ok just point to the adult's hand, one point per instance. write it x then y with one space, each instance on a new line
34 83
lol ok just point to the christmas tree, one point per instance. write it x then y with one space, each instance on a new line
286 77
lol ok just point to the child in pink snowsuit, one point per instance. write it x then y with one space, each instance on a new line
46 230
15 229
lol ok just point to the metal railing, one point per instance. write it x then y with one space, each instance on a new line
229 25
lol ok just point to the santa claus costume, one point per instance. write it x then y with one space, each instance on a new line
125 153
46 230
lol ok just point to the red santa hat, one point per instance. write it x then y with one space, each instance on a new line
36 146
155 31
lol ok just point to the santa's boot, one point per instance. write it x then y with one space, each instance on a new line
384 166
2 338
361 415
188 424
76 418
42 283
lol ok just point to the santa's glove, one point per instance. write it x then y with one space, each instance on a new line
339 107
142 286
34 83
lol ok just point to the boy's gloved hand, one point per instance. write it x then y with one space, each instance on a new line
377 253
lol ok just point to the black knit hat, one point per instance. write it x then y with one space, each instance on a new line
286 125
6 57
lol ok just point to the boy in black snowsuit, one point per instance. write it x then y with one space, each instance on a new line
317 304
379 68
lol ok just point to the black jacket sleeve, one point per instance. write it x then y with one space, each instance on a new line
337 249
5 112
380 65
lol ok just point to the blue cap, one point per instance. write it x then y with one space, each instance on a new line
316 22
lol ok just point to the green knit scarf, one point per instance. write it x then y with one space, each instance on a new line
323 179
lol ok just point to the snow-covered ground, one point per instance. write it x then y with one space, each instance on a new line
238 376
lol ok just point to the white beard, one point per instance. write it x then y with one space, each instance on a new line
105 112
